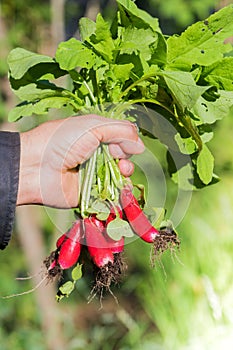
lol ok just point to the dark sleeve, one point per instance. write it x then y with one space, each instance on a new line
9 178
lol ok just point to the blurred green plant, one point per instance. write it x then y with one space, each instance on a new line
25 20
190 301
19 321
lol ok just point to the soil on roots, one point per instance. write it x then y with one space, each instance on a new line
55 272
166 240
107 276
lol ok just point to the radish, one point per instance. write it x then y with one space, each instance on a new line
137 219
114 211
61 240
70 247
116 246
53 264
97 245
108 266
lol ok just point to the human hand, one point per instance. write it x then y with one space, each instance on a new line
51 152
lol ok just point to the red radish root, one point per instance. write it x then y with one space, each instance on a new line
137 219
67 253
108 267
161 239
106 253
97 245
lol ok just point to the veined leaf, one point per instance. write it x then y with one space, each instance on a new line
136 40
159 53
207 136
65 290
20 60
77 272
131 14
26 109
183 177
183 88
87 27
186 145
118 228
35 92
102 40
220 74
73 53
41 73
100 208
203 42
122 71
205 165
209 112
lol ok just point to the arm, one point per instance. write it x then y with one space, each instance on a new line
9 175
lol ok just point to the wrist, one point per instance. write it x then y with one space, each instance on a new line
29 170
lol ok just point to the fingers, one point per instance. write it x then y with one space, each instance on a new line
118 132
75 139
126 167
117 152
132 147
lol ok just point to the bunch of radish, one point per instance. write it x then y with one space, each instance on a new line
108 213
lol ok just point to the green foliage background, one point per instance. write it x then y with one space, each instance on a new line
186 302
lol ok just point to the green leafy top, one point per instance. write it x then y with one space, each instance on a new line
202 43
20 61
186 78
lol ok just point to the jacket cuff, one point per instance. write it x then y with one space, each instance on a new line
9 178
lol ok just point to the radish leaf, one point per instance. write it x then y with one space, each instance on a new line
41 107
184 79
220 74
131 14
21 60
87 27
118 228
201 43
73 53
65 290
205 165
183 88
209 112
77 272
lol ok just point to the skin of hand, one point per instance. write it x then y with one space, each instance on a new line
51 152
